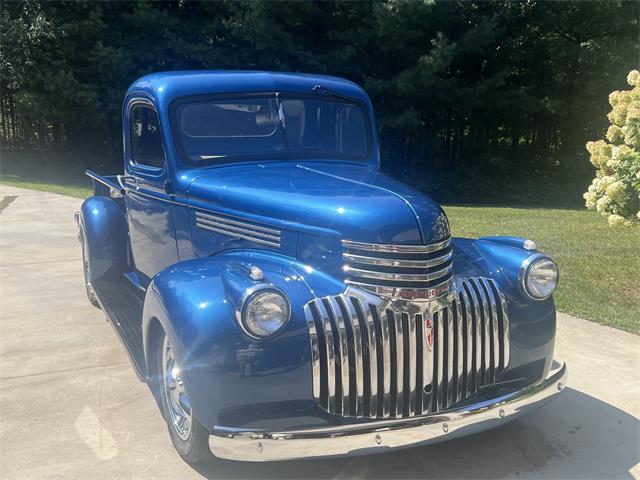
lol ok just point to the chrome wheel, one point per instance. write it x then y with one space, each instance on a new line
178 406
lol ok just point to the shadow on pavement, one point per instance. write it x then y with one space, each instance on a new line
577 436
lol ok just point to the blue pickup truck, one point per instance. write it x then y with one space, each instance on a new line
285 299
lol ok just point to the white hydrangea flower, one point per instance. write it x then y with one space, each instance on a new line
616 220
617 159
602 204
590 200
616 191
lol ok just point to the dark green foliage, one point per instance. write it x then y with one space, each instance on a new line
473 98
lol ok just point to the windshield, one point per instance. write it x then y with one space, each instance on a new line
271 127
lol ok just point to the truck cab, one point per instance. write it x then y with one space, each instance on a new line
286 299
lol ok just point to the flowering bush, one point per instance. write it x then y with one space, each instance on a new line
615 192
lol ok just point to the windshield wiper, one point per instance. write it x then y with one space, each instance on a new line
317 88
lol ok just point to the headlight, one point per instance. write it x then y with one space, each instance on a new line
539 276
264 313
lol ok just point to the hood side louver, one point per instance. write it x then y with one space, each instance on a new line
236 228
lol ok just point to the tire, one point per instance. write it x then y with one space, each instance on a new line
86 267
189 437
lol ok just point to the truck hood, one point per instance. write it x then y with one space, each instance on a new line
357 202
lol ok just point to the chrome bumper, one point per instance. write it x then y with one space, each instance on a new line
381 436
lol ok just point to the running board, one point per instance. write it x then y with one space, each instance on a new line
123 303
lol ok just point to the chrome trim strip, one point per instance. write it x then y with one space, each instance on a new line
239 235
331 359
493 307
468 320
486 335
392 262
440 401
232 228
357 349
381 436
373 357
315 351
459 350
399 333
427 361
505 330
397 292
450 352
477 333
344 353
421 277
216 218
381 247
411 324
104 181
386 362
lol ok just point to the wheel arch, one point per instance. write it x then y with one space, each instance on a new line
104 226
196 304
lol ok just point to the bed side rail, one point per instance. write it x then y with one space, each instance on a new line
109 185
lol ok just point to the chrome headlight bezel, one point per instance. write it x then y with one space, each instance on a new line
253 294
525 270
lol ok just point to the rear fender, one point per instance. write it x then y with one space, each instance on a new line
104 225
197 304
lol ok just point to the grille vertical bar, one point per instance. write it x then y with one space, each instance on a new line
356 339
459 351
413 366
377 360
439 368
399 334
449 355
427 359
386 362
338 326
315 352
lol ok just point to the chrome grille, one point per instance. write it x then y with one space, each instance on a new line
238 229
392 269
378 359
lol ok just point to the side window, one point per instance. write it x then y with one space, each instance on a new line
145 137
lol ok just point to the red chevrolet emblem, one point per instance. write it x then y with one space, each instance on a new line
428 330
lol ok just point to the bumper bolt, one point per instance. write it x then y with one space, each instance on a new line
378 439
501 413
560 386
445 428
259 446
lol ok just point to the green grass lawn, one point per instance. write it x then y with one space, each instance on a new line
62 186
599 265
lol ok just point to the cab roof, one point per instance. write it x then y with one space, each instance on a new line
164 87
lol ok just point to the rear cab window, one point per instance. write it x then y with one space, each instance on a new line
145 137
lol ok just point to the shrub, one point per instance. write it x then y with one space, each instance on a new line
615 192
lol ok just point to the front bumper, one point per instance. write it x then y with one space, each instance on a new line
382 436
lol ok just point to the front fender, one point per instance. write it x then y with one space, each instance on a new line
231 378
104 225
532 323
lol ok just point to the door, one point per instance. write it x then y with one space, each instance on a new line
150 209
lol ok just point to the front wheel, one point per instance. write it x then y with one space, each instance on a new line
188 436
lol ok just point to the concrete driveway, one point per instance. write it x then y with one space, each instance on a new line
72 407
